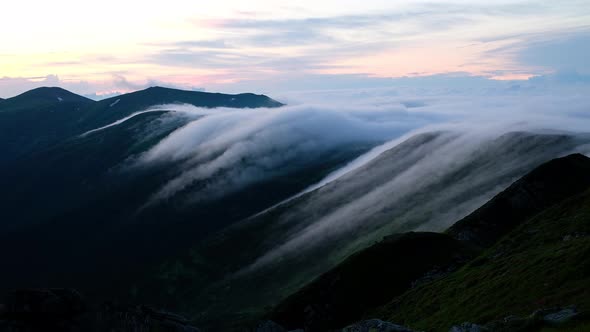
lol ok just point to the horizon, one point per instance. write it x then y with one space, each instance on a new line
274 48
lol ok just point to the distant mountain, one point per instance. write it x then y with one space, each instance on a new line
42 98
372 277
36 119
109 110
42 117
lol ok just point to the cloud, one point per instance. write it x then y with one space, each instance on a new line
231 149
226 150
570 53
424 182
474 151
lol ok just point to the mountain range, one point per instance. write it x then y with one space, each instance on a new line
438 221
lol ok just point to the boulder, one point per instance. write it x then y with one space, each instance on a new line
375 325
560 316
269 326
468 327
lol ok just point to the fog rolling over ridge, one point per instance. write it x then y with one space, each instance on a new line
248 146
446 157
253 145
197 204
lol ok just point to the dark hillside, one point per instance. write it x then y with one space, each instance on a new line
546 185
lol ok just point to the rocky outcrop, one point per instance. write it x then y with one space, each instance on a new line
551 317
140 318
41 310
64 310
269 326
375 325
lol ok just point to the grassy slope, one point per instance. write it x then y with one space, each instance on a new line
532 267
382 271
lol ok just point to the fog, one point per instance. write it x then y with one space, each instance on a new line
234 148
437 155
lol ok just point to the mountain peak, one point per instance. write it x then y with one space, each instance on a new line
157 95
48 95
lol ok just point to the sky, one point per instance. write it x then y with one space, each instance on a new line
102 48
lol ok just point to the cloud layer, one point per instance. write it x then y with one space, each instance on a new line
231 149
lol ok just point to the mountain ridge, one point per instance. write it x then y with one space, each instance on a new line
40 118
329 302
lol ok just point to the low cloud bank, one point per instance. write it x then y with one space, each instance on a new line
470 156
231 148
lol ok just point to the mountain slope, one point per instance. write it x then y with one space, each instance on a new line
543 187
367 279
385 270
542 263
284 248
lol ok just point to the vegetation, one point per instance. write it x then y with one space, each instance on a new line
543 263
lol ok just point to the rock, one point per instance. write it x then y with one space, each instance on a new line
375 325
468 327
41 310
560 316
269 326
53 303
141 318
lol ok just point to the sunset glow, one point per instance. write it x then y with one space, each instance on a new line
95 46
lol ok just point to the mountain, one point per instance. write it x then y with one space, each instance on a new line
109 110
40 118
540 249
36 119
369 278
42 97
543 263
425 183
79 203
134 202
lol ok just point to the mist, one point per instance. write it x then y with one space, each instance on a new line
464 147
232 149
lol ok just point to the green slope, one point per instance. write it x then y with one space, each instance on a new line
383 271
542 263
543 187
369 278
